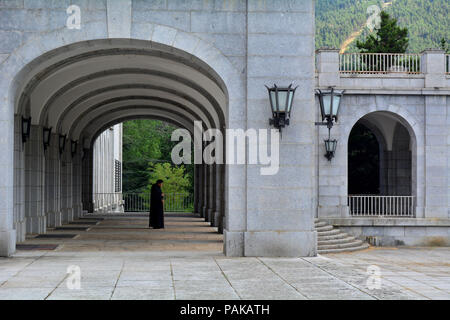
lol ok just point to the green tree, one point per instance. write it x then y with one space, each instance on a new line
389 37
444 45
175 178
144 141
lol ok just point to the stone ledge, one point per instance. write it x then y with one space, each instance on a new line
386 222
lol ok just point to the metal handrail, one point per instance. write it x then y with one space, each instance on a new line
377 205
140 202
380 63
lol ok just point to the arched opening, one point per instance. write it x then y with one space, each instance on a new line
363 161
381 171
81 90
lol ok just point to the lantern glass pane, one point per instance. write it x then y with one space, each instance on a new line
326 99
336 102
327 145
26 129
282 100
291 96
330 145
273 101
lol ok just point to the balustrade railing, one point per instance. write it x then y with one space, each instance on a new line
376 63
391 206
140 202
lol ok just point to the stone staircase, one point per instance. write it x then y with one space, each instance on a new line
332 240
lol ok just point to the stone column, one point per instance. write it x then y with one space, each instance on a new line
205 192
19 181
436 156
76 185
69 164
217 214
200 189
196 184
281 207
53 197
35 182
211 193
437 133
7 232
87 178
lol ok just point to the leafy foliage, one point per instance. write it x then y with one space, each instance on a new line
445 46
146 143
389 37
175 178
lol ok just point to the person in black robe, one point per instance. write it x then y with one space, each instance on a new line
157 206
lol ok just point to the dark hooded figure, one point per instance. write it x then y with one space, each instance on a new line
157 206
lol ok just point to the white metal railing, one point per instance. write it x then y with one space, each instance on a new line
447 63
376 63
391 206
140 202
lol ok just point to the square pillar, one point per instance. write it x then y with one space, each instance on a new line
433 67
327 65
281 207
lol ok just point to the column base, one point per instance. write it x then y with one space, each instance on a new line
280 244
37 224
216 219
70 216
7 243
54 219
210 216
21 230
233 243
203 213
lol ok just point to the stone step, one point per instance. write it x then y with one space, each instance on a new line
353 244
361 247
324 228
335 241
332 237
332 240
328 233
320 224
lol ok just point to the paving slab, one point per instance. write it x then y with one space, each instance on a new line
120 258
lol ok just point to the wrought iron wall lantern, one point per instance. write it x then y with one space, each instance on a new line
62 143
85 153
73 147
330 103
47 135
26 128
330 148
281 101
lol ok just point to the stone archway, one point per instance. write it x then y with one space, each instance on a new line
396 164
385 144
29 64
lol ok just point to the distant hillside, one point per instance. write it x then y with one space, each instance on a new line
340 22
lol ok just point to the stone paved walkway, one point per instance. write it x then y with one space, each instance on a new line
122 259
